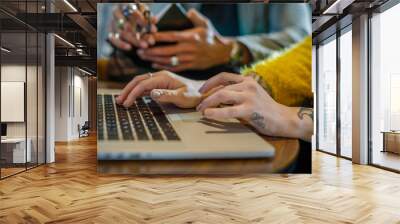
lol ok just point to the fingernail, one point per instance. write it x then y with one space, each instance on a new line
201 89
207 114
140 52
141 55
172 93
156 94
143 44
151 41
198 108
126 104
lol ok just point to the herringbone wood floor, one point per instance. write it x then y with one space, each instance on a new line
70 191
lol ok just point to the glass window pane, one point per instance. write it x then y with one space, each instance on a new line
327 97
314 73
41 99
32 88
346 94
385 114
22 76
31 97
14 153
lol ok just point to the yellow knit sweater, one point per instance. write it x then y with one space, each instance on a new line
287 75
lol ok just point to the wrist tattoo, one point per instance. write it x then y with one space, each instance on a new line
231 83
303 111
258 120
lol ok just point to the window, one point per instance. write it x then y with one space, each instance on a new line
22 60
327 96
346 75
385 89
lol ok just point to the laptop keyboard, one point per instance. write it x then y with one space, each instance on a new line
144 120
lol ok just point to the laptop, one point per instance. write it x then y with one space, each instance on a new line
151 131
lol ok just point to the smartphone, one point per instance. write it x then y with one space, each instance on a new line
172 18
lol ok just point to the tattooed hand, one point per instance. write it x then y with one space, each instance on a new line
305 112
242 98
250 102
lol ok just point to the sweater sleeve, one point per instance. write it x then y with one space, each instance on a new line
286 75
262 46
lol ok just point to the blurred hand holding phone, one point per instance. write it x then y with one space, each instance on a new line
174 40
133 25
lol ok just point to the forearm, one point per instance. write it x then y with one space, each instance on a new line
297 123
262 46
231 51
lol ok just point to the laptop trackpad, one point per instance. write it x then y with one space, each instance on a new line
176 114
209 126
184 117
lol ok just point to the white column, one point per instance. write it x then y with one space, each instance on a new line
360 90
50 92
50 98
62 103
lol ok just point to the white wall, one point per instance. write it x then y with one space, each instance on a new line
70 83
80 84
33 127
61 104
14 73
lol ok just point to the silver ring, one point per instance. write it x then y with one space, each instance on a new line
120 24
113 35
127 10
174 61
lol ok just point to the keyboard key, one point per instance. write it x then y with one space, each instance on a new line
124 123
149 120
111 122
137 122
100 120
163 121
145 119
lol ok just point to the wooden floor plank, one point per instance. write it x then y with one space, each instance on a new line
71 191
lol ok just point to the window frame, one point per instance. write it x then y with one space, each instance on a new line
31 30
378 10
333 37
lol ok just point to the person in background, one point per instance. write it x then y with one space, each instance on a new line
274 95
228 34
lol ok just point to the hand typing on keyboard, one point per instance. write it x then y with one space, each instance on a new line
247 101
164 87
